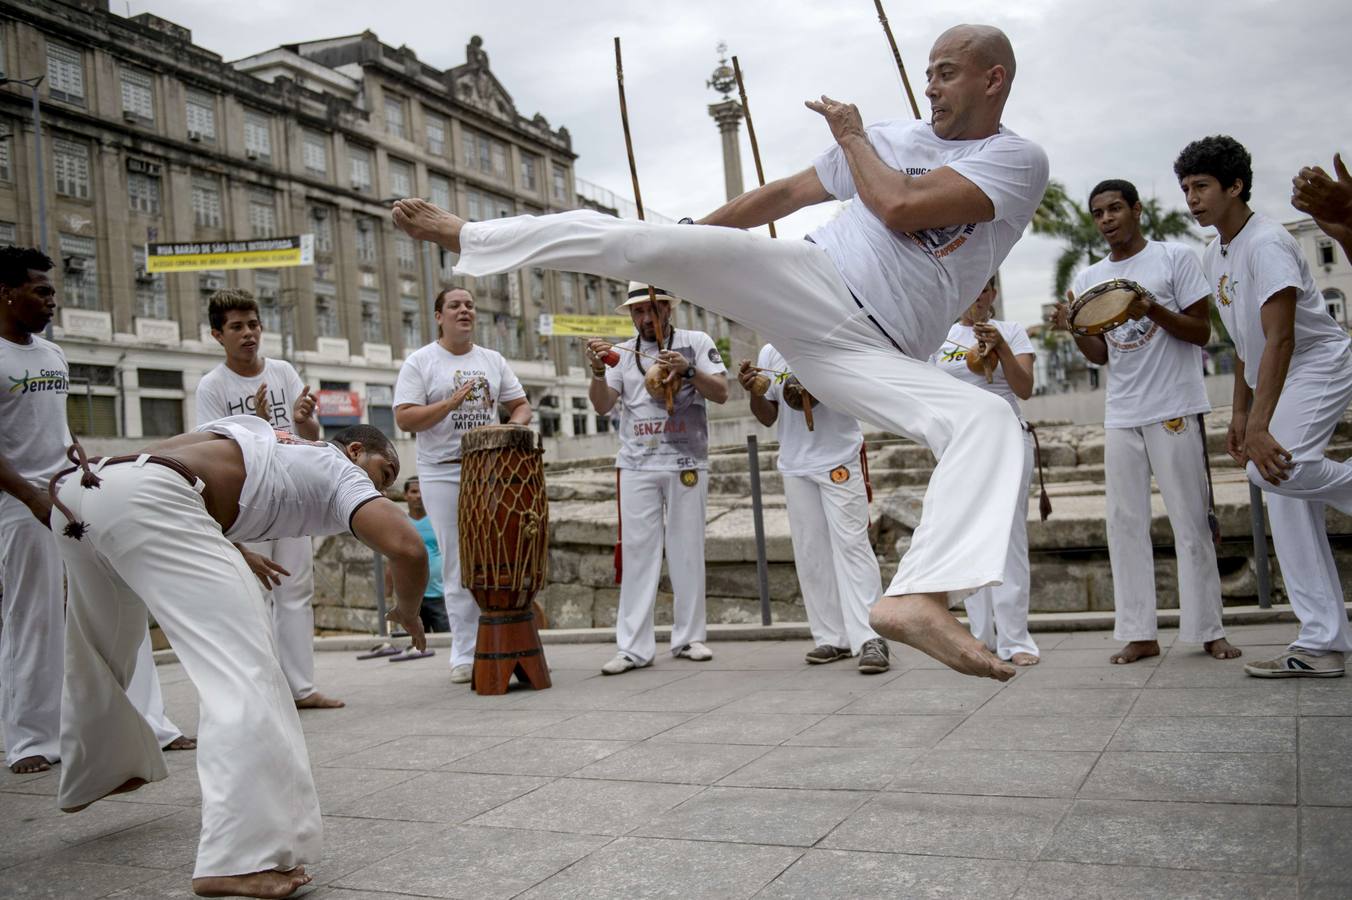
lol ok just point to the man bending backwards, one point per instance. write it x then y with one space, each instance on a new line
857 310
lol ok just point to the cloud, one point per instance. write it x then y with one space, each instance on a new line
1110 90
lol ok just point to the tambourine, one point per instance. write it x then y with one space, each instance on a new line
1104 306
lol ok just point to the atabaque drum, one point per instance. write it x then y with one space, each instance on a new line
1104 306
503 519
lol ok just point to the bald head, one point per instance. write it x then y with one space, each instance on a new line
967 82
985 45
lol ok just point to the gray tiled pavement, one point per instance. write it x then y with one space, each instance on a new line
763 777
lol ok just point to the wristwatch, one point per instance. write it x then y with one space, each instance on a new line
689 372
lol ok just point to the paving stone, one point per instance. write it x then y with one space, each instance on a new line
332 746
1224 836
1094 658
1072 881
420 752
989 732
438 797
1207 734
41 880
474 863
997 773
739 728
583 806
614 726
1060 702
1043 677
794 701
338 787
756 816
537 756
920 701
841 873
1324 844
876 731
824 768
1197 777
174 885
168 842
950 825
354 843
1331 697
678 870
1325 779
680 763
33 825
1258 698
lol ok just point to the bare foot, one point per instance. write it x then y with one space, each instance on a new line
924 622
126 787
269 884
1134 651
424 222
1025 659
319 701
1220 648
182 742
29 765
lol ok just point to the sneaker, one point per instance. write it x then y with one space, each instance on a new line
873 657
826 654
620 664
462 674
1296 663
696 651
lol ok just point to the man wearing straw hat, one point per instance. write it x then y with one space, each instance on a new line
856 312
661 473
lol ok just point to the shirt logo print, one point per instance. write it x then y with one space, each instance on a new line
45 380
1222 292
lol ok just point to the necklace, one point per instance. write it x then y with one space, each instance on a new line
638 345
1225 245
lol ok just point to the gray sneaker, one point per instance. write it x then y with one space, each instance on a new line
462 674
1295 663
873 657
826 654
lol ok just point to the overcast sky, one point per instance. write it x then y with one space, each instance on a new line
1109 90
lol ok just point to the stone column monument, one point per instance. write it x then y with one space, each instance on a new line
728 114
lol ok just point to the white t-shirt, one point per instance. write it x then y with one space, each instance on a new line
1152 375
1262 260
650 439
292 487
223 392
916 284
952 357
834 440
33 432
431 374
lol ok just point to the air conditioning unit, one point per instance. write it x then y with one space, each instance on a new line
251 153
129 116
76 263
143 276
195 136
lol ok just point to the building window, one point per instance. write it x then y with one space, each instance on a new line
6 154
65 73
161 416
262 214
559 184
79 261
257 136
394 116
372 328
9 234
401 178
566 288
1324 251
206 201
530 168
321 223
591 293
315 149
143 193
580 415
70 159
436 133
405 251
411 317
138 95
485 154
483 205
268 290
326 310
201 108
152 298
366 239
360 161
1336 303
209 283
439 191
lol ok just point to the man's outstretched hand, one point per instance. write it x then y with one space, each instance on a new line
843 118
1328 200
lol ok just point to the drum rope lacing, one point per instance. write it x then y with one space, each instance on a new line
510 480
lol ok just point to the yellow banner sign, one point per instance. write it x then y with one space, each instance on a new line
586 326
263 253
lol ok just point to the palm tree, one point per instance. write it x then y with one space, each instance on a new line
1160 224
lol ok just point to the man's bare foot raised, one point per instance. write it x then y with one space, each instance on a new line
269 884
126 787
424 222
319 701
1025 659
924 622
1134 651
30 765
1220 648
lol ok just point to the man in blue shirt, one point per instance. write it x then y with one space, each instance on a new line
433 611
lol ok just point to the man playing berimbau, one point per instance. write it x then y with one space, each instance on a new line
857 311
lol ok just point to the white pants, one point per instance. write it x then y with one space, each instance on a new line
293 613
657 511
1174 455
151 544
791 293
837 570
32 644
1312 402
442 500
999 615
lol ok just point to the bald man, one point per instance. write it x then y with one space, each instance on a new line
858 308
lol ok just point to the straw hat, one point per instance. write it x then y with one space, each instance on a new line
638 293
